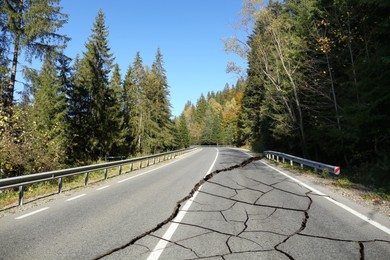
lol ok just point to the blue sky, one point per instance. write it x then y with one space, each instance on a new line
188 33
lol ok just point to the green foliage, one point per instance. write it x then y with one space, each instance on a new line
92 98
215 120
30 26
343 183
183 134
72 115
316 77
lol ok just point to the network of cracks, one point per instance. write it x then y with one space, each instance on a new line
246 211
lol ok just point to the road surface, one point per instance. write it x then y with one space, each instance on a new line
243 209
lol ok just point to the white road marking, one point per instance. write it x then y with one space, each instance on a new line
104 187
159 248
341 205
212 165
77 197
32 213
138 175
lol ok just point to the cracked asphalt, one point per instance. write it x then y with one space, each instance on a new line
242 209
249 211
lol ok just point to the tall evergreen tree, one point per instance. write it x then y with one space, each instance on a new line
30 26
183 134
92 96
162 104
48 114
117 111
201 107
134 104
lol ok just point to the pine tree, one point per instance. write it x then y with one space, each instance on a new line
4 48
30 26
134 105
162 104
116 111
129 104
78 116
183 134
201 107
48 114
92 97
150 113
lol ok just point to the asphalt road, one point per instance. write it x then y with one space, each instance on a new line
245 209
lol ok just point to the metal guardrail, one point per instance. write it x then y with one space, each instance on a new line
276 156
21 181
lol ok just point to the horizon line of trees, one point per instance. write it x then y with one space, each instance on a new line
73 113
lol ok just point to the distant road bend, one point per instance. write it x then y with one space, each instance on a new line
208 204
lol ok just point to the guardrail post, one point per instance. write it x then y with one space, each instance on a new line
21 191
291 163
283 160
147 165
277 158
140 164
105 173
86 178
154 160
120 170
158 161
301 165
59 185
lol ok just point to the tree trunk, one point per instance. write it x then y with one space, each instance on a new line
351 56
9 96
139 133
333 93
295 90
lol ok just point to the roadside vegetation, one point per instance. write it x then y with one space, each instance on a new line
316 86
75 110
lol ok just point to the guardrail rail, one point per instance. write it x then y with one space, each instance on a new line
21 181
277 156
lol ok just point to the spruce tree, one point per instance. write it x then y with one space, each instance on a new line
92 97
30 26
116 111
135 105
48 114
162 104
201 107
183 134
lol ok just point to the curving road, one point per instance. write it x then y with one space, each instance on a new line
245 209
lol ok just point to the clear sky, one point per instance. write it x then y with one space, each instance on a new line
188 32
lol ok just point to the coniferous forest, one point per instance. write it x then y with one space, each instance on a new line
75 112
317 85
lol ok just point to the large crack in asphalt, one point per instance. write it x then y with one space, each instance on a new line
243 230
178 205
